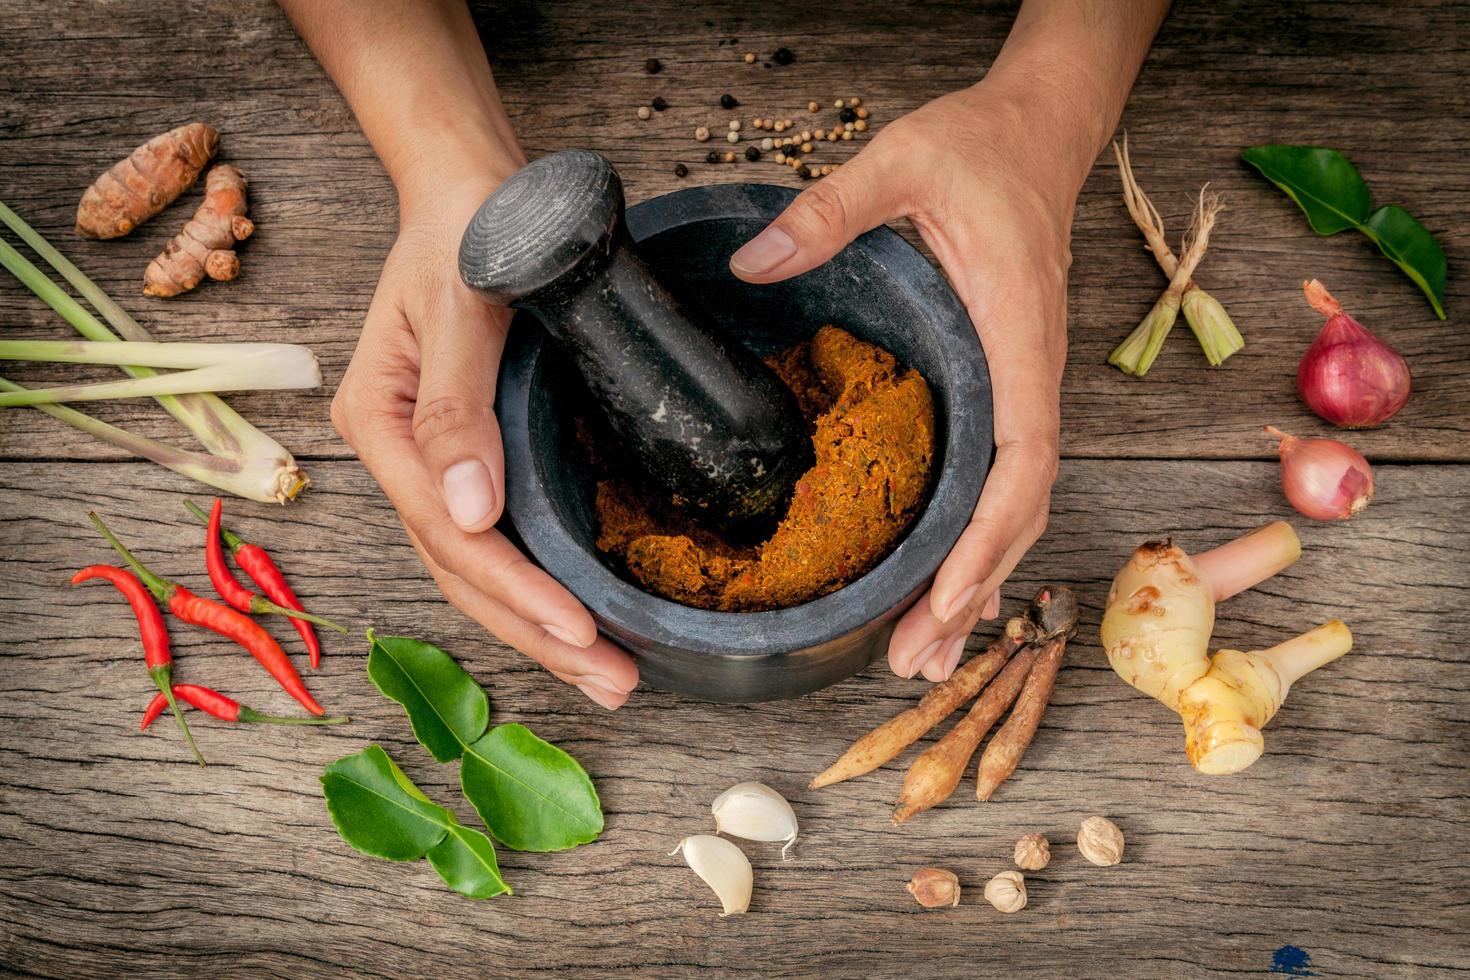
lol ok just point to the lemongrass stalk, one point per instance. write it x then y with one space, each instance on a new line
176 356
257 373
1207 319
1135 355
217 426
252 477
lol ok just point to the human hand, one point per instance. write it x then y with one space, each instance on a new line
992 196
417 406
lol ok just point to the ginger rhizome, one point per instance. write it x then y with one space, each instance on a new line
1156 631
206 245
146 181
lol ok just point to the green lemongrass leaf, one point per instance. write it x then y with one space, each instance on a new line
378 810
529 793
217 426
1322 182
465 859
1412 248
445 706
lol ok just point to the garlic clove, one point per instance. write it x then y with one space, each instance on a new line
754 811
722 866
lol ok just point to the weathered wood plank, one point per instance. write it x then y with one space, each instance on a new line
1347 840
1381 82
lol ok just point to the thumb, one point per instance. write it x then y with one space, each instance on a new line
454 421
821 221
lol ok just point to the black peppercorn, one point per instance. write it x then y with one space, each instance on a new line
680 170
752 153
712 157
658 103
653 66
727 101
783 56
847 115
807 173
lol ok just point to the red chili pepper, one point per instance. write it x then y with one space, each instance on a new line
153 633
258 565
222 620
211 702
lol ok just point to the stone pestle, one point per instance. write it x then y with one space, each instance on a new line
700 415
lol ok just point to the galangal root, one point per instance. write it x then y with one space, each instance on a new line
206 245
1156 631
146 181
1011 660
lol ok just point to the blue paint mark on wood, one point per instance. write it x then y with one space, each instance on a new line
1292 961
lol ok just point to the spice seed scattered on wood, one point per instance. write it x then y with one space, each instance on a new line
862 113
730 156
644 112
750 57
732 136
783 56
847 135
702 134
847 115
727 101
812 106
806 148
734 125
680 170
659 104
767 144
653 66
837 104
712 156
854 101
861 126
752 153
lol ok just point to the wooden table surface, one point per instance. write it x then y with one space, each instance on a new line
1348 842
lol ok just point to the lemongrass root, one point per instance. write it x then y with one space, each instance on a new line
1004 752
885 742
935 774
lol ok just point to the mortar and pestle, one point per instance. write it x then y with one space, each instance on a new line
638 310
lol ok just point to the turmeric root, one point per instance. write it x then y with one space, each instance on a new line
1004 752
147 181
206 245
896 734
935 774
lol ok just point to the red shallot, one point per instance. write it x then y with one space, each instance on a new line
1348 376
1323 478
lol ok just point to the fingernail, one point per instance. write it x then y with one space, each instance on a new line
992 606
959 602
953 655
468 492
602 683
563 634
922 657
763 253
605 698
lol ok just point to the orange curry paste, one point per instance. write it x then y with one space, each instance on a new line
872 425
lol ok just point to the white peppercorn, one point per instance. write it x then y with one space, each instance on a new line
644 112
1033 852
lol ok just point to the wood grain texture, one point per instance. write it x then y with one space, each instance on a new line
1348 840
